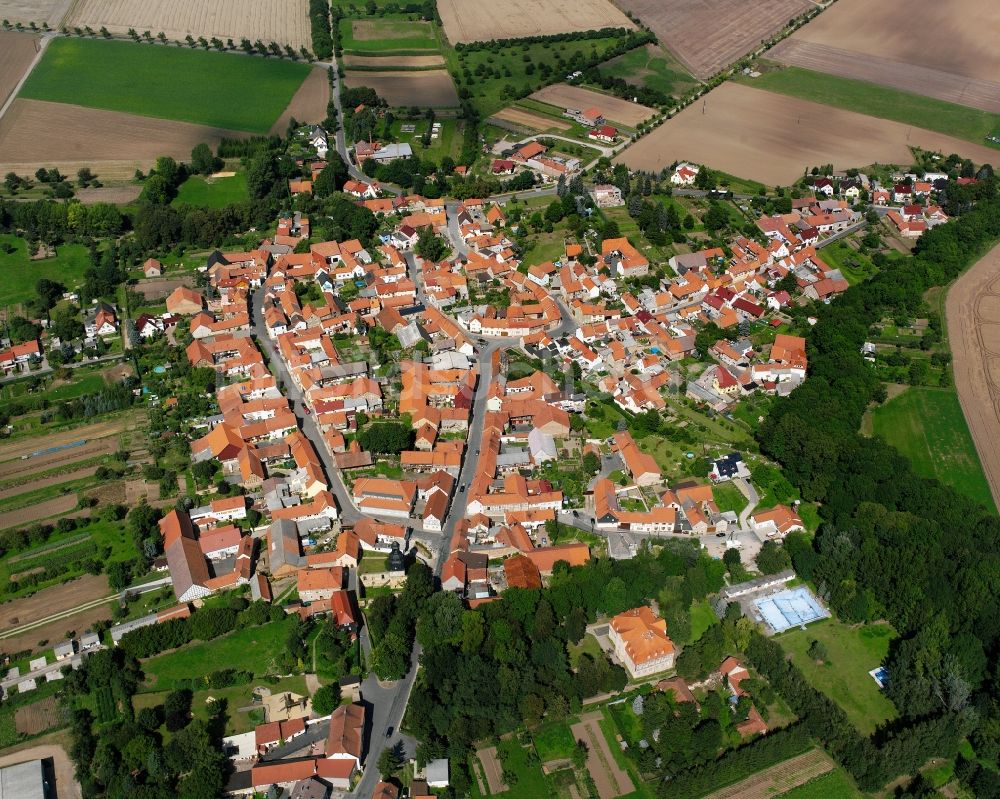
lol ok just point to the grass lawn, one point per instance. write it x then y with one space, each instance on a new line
650 66
20 273
970 124
448 141
832 785
212 192
253 649
728 497
372 563
587 645
852 652
218 89
531 783
545 247
928 427
383 34
553 741
702 617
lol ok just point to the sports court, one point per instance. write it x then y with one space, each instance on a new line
795 607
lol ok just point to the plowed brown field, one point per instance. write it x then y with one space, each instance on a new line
33 133
772 138
430 88
562 95
17 50
308 103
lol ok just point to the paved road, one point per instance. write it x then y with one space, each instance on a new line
746 488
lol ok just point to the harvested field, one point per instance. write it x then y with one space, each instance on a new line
426 89
41 510
772 138
65 784
780 778
45 482
947 36
492 769
159 288
120 195
38 11
25 446
383 62
916 78
17 51
38 717
49 602
519 116
707 35
973 314
614 109
611 780
113 144
281 21
378 30
473 21
92 449
308 104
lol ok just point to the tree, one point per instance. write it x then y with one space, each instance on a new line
430 246
591 463
203 161
49 292
817 651
389 762
580 752
177 709
773 558
119 575
326 699
385 437
262 174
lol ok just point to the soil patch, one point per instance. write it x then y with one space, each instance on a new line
474 21
56 479
611 780
780 778
492 769
41 510
159 288
707 35
25 446
113 144
974 337
308 103
50 601
531 121
615 109
38 717
427 88
17 51
92 449
119 195
379 63
772 138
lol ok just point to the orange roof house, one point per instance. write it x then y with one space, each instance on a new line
641 642
521 572
184 301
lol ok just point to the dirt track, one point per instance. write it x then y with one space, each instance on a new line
308 104
771 138
614 109
915 78
780 778
707 35
973 313
427 88
17 51
33 134
475 21
66 786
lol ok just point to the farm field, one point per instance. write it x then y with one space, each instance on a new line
50 601
759 135
532 121
972 313
281 21
852 652
425 88
921 46
308 104
652 67
790 774
113 144
20 273
927 426
832 785
379 63
37 11
472 21
17 51
971 124
383 34
707 35
212 192
562 96
244 93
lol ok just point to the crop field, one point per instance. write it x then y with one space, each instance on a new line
772 138
20 273
308 104
707 35
17 50
652 67
281 21
431 88
380 63
921 46
852 652
532 121
927 426
214 89
114 145
832 785
383 34
212 192
474 21
562 96
790 774
971 124
38 11
37 717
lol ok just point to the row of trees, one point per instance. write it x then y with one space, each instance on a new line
319 18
